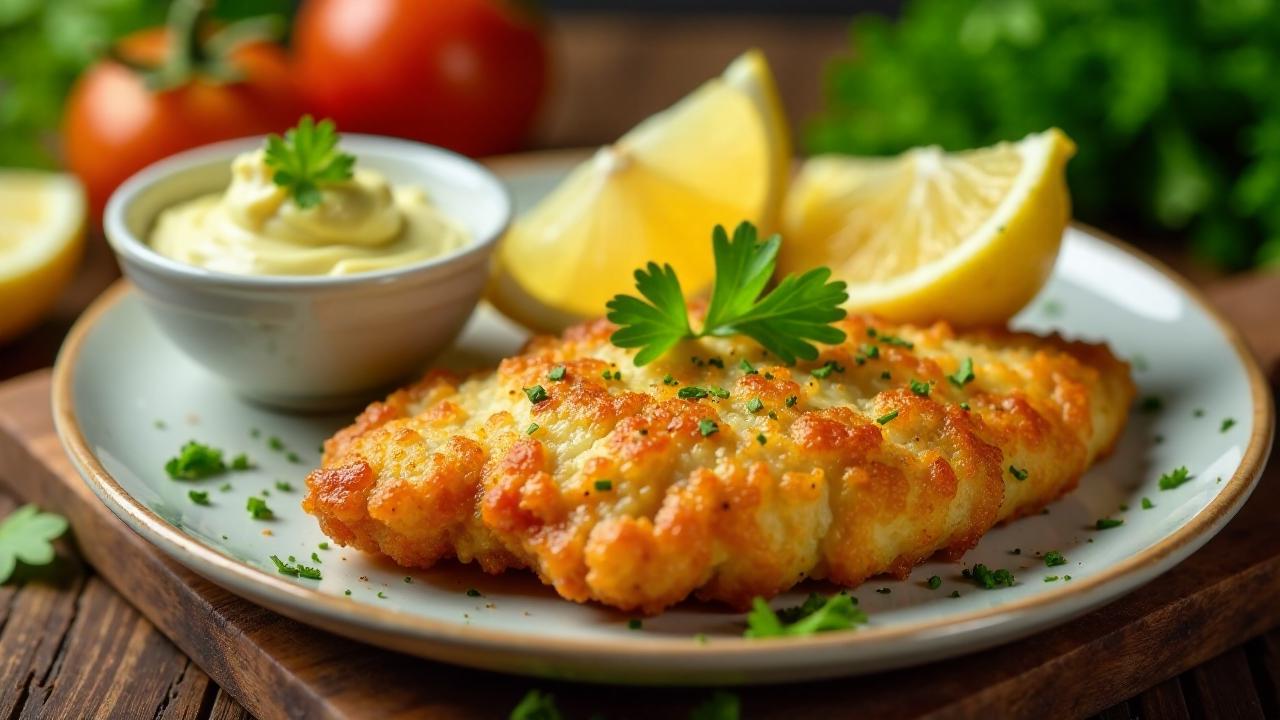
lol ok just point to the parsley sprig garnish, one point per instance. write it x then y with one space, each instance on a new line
306 158
786 321
27 536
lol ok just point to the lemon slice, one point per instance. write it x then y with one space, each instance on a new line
968 237
719 156
42 220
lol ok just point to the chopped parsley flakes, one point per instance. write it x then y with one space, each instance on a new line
604 485
536 394
1053 558
964 375
199 497
791 401
241 463
634 624
817 614
668 380
708 427
692 392
934 582
920 387
533 428
1108 523
283 486
1227 424
1175 478
1147 504
257 508
472 592
827 368
1018 473
755 405
295 570
1151 404
892 340
988 579
887 417
195 461
747 367
557 373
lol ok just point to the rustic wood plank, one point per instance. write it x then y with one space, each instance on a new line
1223 687
39 607
1116 712
225 707
117 664
1265 654
190 695
1164 701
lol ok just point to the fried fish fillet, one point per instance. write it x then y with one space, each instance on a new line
717 471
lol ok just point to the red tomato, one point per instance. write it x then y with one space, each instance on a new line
465 74
114 125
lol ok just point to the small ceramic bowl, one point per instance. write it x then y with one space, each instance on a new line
312 342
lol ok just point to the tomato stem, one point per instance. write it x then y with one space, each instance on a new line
193 51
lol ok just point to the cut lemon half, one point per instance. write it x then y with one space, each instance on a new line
42 220
968 237
719 156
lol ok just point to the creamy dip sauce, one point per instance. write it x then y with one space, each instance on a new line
254 227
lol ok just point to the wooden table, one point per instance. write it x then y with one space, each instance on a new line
70 645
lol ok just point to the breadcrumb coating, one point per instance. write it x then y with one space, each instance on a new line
626 491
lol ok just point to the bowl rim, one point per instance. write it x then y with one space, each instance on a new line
129 247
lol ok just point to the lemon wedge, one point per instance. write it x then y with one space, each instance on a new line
968 237
719 156
42 221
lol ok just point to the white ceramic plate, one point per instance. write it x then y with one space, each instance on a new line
125 400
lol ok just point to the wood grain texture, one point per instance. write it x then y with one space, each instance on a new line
1163 701
1230 672
277 668
71 647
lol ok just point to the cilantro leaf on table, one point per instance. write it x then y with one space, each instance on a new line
817 614
26 536
787 320
306 158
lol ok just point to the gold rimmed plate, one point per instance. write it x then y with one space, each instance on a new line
125 400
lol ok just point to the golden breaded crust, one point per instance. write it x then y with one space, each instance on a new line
624 494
